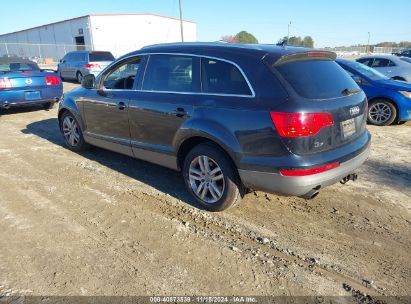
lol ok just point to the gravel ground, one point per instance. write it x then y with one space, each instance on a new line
99 223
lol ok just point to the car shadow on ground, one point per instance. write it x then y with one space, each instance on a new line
160 178
25 109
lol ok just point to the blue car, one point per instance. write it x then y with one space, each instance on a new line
23 83
389 101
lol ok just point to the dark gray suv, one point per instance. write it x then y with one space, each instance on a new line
230 117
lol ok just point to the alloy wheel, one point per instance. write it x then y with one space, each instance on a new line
71 131
206 179
379 113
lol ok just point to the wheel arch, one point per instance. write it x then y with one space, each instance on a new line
389 99
189 143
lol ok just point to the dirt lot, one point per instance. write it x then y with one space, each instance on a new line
99 223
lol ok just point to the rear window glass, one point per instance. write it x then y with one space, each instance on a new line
101 56
219 77
317 79
18 67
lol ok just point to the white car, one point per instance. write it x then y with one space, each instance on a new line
390 65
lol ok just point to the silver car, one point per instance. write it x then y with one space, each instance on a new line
75 65
390 65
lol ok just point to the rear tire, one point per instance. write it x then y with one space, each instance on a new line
48 105
381 112
211 178
79 77
398 78
72 133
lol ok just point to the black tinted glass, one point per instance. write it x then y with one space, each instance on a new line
317 79
169 73
219 77
366 61
380 63
101 56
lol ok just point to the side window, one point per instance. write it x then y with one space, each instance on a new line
391 63
122 76
220 77
170 73
379 63
366 61
68 57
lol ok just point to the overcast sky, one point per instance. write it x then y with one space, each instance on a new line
330 23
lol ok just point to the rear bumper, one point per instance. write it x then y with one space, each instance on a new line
6 104
301 185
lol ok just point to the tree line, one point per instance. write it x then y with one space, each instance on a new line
246 37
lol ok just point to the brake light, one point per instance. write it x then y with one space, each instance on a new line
300 124
52 80
317 54
91 65
5 83
304 172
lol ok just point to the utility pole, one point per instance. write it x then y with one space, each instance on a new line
288 32
368 43
181 21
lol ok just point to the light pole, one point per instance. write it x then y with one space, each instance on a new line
368 43
181 21
288 32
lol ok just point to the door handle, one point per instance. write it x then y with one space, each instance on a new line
180 112
122 105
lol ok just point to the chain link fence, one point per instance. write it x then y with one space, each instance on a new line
50 54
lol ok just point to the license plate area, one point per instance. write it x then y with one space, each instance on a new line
32 95
348 128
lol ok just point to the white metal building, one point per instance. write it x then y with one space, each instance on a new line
118 33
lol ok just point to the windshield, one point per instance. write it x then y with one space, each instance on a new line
101 56
366 70
18 67
318 79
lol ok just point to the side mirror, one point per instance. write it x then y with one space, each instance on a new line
89 81
357 79
62 61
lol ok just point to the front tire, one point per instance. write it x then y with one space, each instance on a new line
211 178
72 134
381 112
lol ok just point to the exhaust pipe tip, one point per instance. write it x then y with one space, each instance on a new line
312 194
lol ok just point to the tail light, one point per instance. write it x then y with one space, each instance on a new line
305 172
91 65
300 124
52 80
5 83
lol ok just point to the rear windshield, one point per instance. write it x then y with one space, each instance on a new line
318 79
101 56
18 67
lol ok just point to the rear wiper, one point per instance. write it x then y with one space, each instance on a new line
348 92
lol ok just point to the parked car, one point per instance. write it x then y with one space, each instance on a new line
403 53
22 83
406 59
389 65
231 117
389 101
75 65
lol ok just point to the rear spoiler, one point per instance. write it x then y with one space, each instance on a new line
48 70
304 56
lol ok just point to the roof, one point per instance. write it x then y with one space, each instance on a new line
97 15
210 48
